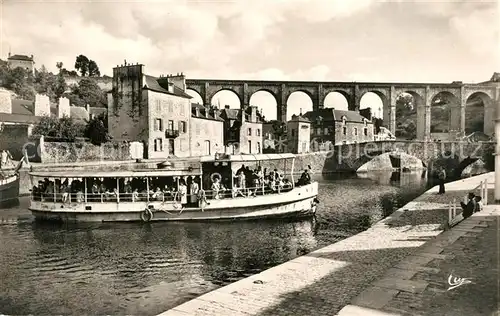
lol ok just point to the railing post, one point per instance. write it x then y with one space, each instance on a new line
485 197
449 213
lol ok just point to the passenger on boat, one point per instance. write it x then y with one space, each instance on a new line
65 189
157 195
194 189
305 178
183 193
216 188
80 197
135 195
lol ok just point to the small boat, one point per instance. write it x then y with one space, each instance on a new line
167 193
9 184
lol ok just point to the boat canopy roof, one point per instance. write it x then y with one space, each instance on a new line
247 157
115 174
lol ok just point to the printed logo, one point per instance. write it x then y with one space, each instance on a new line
455 282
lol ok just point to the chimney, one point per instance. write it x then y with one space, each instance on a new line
227 107
170 86
197 111
178 80
87 107
31 56
253 114
9 54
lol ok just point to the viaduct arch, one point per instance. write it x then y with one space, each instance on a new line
423 95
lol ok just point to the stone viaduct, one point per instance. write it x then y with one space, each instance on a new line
424 94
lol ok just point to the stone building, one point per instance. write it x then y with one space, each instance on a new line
298 135
242 130
154 111
22 61
275 137
206 131
336 127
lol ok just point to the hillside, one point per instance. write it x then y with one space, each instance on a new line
80 90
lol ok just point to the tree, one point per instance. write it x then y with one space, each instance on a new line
87 92
60 84
65 128
93 69
82 64
404 105
96 131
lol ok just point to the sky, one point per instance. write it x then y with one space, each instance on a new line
316 40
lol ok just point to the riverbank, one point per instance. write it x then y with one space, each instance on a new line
324 281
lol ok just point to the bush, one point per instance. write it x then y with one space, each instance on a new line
96 131
65 128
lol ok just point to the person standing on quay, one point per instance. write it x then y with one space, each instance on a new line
442 178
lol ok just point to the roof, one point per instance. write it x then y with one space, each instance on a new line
23 107
300 118
78 113
243 158
19 118
230 114
114 174
203 112
97 111
152 83
329 114
21 113
20 57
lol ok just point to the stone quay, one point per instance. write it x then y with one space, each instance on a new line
372 268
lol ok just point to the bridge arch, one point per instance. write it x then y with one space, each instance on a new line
336 99
410 113
445 114
375 100
196 96
266 101
298 101
479 113
224 97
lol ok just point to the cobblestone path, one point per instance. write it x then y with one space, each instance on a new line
420 285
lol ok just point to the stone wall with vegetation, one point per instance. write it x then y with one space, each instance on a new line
67 152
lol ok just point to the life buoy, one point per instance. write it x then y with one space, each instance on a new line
147 215
214 175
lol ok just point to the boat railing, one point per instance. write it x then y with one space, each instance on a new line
168 196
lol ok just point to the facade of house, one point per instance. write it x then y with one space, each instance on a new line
154 111
243 132
21 61
331 127
298 135
206 131
275 138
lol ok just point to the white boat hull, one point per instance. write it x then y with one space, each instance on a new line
298 203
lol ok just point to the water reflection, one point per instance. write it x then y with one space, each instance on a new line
51 261
50 268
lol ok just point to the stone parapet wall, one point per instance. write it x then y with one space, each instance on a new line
57 152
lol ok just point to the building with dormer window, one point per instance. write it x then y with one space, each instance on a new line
151 110
336 127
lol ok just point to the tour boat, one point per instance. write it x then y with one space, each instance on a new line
158 194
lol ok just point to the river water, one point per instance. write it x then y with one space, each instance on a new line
145 269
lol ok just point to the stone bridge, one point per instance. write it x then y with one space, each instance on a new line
424 94
451 155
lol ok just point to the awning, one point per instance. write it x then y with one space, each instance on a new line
249 157
115 174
